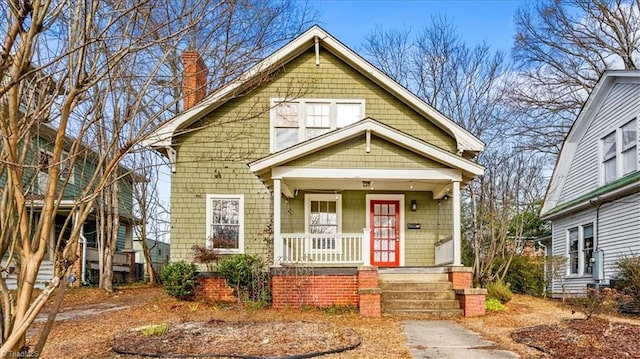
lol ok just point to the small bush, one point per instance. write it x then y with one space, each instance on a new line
494 305
526 275
248 276
179 280
500 291
605 301
628 278
154 330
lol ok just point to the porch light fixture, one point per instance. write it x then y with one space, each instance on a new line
414 205
366 184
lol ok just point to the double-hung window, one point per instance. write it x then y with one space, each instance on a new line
323 221
629 150
294 121
581 241
225 222
620 152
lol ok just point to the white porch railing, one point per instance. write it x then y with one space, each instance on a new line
320 248
444 251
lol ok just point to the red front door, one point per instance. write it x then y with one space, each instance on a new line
385 233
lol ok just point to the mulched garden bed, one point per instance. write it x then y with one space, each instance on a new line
255 339
583 338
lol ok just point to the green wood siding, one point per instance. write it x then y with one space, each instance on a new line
352 154
212 156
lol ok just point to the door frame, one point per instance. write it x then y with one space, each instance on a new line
388 197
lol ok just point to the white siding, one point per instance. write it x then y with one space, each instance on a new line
571 283
621 105
619 232
617 226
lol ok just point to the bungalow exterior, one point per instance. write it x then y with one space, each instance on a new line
323 163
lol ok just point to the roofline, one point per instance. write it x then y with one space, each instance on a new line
577 131
368 124
612 191
161 137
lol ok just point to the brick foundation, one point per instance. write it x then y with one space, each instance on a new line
215 289
314 290
472 301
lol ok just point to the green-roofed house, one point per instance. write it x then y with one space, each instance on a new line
319 160
593 199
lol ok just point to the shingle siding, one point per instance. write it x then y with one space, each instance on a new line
212 155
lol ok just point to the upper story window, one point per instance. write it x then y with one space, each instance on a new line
298 120
46 161
620 152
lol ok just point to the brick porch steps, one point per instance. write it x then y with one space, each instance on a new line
416 292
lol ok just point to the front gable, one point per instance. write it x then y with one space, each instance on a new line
579 175
326 71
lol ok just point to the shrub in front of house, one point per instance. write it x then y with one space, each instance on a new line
526 275
628 282
499 290
247 275
494 305
180 280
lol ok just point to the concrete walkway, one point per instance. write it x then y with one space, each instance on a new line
446 339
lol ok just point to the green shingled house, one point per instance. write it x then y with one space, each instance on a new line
319 159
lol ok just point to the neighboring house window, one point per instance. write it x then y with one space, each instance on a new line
587 250
323 218
629 148
581 244
46 161
299 120
573 251
620 152
225 222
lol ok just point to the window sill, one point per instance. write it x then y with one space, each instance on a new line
578 276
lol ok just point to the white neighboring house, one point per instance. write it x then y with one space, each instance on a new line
593 199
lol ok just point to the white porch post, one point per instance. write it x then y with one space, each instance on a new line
278 250
366 247
457 239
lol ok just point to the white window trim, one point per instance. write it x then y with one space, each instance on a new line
308 197
617 131
301 115
240 198
581 257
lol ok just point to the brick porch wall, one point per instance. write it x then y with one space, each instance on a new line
472 301
314 290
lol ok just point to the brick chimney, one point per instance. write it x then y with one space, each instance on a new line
194 81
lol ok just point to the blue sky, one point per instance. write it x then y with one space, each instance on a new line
476 20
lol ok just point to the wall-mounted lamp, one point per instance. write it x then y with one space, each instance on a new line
414 205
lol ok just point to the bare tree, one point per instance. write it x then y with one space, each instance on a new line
87 76
561 48
469 85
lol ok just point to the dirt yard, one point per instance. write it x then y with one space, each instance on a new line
92 323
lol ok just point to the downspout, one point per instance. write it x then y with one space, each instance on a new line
83 240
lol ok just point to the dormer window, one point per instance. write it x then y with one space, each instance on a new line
294 121
620 152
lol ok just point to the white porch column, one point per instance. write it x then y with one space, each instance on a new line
278 250
457 238
366 246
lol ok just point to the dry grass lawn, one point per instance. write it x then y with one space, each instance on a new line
91 321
